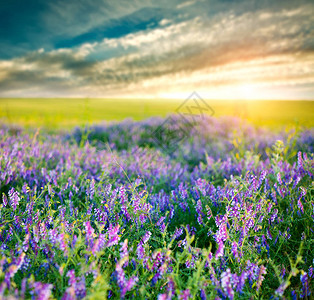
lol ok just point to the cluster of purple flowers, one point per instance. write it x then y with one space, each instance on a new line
213 220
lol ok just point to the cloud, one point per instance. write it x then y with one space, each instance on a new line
185 4
264 48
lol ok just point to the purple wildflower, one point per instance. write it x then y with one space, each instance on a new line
124 284
260 279
113 237
129 284
185 295
241 281
146 237
92 189
235 250
226 283
124 250
14 198
281 289
77 285
90 232
220 250
203 294
41 290
305 291
178 232
164 297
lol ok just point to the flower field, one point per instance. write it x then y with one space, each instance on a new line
117 211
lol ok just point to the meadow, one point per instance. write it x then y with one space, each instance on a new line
156 207
67 113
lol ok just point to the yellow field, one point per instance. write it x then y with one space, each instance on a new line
65 113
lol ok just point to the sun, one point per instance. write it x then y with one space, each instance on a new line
248 91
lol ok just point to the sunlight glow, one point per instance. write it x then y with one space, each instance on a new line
247 92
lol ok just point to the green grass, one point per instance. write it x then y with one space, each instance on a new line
66 113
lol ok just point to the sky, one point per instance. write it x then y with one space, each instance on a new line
222 49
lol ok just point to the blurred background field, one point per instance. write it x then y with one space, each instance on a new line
66 113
